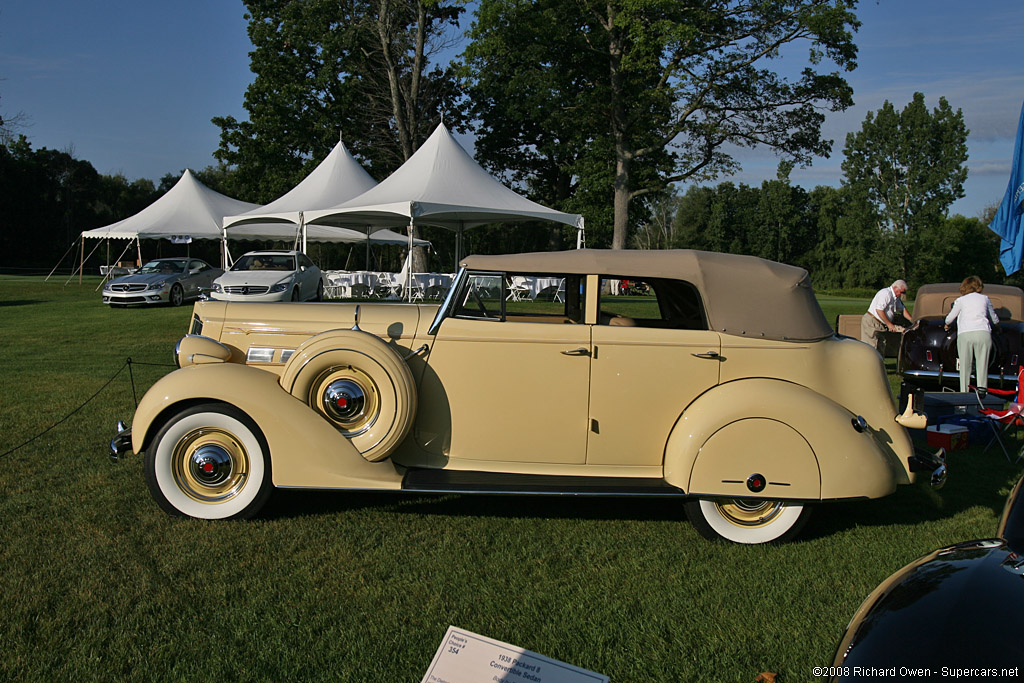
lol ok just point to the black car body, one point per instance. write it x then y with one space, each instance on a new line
957 609
928 355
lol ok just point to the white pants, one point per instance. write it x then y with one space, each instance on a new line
974 347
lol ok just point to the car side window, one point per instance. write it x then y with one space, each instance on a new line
651 302
522 297
481 297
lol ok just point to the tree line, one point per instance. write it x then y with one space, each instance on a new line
598 108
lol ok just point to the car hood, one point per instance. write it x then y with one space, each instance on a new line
145 278
263 278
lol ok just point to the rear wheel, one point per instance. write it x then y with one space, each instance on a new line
209 462
747 520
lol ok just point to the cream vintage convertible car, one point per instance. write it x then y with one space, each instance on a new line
722 383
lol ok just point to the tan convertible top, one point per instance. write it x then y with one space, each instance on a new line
743 295
937 300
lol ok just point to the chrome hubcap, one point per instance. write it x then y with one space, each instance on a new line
344 400
210 465
748 512
347 397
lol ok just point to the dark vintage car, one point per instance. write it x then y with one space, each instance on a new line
955 613
928 356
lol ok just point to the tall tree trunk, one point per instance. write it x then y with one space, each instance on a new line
623 154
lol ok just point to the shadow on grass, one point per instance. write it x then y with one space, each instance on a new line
288 503
976 479
23 302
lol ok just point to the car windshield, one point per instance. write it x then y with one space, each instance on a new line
168 267
264 262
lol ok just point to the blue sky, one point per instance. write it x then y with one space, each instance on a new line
131 85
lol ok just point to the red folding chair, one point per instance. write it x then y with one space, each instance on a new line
1010 417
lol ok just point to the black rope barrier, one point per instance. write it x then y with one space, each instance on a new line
127 364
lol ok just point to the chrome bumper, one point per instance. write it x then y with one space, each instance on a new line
924 461
122 443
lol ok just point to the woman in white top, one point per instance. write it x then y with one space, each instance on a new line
974 316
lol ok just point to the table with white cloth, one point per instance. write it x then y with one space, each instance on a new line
431 285
537 285
340 282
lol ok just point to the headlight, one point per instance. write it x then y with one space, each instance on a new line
159 285
280 286
216 287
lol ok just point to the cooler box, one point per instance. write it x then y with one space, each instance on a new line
979 429
952 437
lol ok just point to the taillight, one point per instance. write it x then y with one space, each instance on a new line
929 355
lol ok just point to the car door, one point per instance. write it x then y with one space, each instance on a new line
647 367
498 389
308 276
194 278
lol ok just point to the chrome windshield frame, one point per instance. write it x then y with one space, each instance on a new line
449 302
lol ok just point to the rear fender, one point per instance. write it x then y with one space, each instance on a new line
305 450
802 444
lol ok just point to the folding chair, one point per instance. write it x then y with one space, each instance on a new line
560 292
518 290
1011 417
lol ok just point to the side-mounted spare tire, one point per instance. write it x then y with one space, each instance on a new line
359 384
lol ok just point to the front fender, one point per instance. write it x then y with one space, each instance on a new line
803 444
305 450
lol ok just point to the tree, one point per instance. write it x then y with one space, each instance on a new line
910 166
780 229
329 67
846 250
658 86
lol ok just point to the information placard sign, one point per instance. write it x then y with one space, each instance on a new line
467 657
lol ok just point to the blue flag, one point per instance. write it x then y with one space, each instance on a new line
1009 220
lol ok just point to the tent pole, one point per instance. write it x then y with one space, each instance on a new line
302 228
367 247
81 263
108 276
223 248
70 249
408 273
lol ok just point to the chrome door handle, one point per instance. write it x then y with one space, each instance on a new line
576 352
711 355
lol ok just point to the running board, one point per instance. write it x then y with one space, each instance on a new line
465 481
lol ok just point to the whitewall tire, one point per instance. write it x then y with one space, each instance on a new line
209 462
746 520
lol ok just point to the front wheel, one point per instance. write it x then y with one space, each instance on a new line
209 462
747 520
177 295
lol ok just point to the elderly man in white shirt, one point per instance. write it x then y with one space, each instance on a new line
974 316
881 315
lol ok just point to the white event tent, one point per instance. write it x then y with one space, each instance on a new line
192 211
187 211
439 185
337 178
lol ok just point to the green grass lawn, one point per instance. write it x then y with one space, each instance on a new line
96 583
